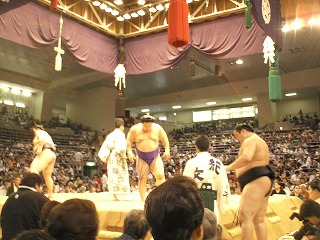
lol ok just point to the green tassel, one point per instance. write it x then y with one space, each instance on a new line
274 79
275 89
248 13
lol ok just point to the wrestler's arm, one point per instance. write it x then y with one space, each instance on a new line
165 142
247 152
130 141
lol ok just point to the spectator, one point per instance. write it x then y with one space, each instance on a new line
74 219
46 211
78 157
310 210
211 231
14 186
22 209
34 234
304 192
135 226
104 181
314 190
4 188
297 192
278 188
174 210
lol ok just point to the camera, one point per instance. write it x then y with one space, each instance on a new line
306 229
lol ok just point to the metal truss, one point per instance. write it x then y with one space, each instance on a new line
86 12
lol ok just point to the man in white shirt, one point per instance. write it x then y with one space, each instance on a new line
206 169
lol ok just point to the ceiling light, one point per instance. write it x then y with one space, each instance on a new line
118 2
20 105
297 50
211 103
96 3
152 9
141 2
115 12
141 12
126 16
239 61
16 91
290 94
176 107
8 102
159 7
26 93
189 1
87 0
312 21
167 5
108 9
246 99
145 110
103 6
120 18
297 24
286 28
175 114
134 15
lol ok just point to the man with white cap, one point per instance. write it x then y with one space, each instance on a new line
146 136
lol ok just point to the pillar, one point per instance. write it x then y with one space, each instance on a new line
267 110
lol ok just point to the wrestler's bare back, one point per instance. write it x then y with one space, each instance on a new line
145 141
42 136
260 157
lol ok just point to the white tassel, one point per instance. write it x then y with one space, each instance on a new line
268 50
59 50
120 76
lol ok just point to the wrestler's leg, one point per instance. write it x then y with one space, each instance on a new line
251 203
258 221
157 169
143 172
34 165
49 158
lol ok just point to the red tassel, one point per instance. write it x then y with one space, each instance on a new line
54 5
178 26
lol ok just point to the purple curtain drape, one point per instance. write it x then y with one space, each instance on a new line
34 26
223 38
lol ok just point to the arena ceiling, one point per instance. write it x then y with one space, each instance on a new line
301 51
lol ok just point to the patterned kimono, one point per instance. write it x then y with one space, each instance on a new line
118 174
